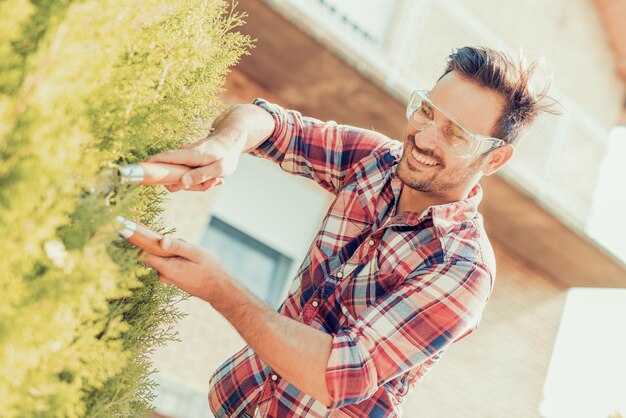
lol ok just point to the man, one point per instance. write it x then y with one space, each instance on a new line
401 267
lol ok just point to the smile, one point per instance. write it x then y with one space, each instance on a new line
420 159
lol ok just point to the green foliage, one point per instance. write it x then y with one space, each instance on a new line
84 85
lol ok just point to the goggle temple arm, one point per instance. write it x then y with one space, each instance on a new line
488 145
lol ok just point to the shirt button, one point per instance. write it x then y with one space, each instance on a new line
398 219
315 304
339 274
371 242
274 377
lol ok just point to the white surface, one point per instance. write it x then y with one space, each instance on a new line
279 209
607 224
587 373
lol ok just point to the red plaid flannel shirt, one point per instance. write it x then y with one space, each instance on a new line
393 289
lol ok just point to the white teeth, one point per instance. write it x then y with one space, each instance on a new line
422 159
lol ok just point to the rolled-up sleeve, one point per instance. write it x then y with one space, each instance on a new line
321 151
411 325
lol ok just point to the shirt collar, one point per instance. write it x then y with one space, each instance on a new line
445 216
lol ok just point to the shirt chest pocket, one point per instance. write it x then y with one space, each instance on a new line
344 221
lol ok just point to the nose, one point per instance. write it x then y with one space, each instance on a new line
426 137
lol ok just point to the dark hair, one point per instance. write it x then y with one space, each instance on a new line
497 71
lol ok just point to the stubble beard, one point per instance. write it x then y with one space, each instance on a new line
437 182
425 184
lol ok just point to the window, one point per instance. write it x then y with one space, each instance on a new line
260 268
365 20
369 18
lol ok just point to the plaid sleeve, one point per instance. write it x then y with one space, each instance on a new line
321 151
411 325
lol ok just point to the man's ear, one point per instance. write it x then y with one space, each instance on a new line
497 158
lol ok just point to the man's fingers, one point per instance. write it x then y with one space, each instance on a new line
173 188
165 279
196 188
166 266
202 174
182 249
205 186
160 264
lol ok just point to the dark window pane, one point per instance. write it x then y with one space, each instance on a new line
261 268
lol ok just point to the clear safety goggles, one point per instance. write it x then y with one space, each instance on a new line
452 136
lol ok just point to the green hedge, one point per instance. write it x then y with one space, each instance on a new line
84 85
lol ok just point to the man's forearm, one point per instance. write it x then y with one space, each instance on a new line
295 351
254 123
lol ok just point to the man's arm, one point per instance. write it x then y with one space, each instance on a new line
241 128
305 146
297 352
323 151
246 123
412 325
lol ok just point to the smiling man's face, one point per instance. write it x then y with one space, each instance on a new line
425 166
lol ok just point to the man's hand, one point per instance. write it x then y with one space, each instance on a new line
193 269
239 129
213 157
